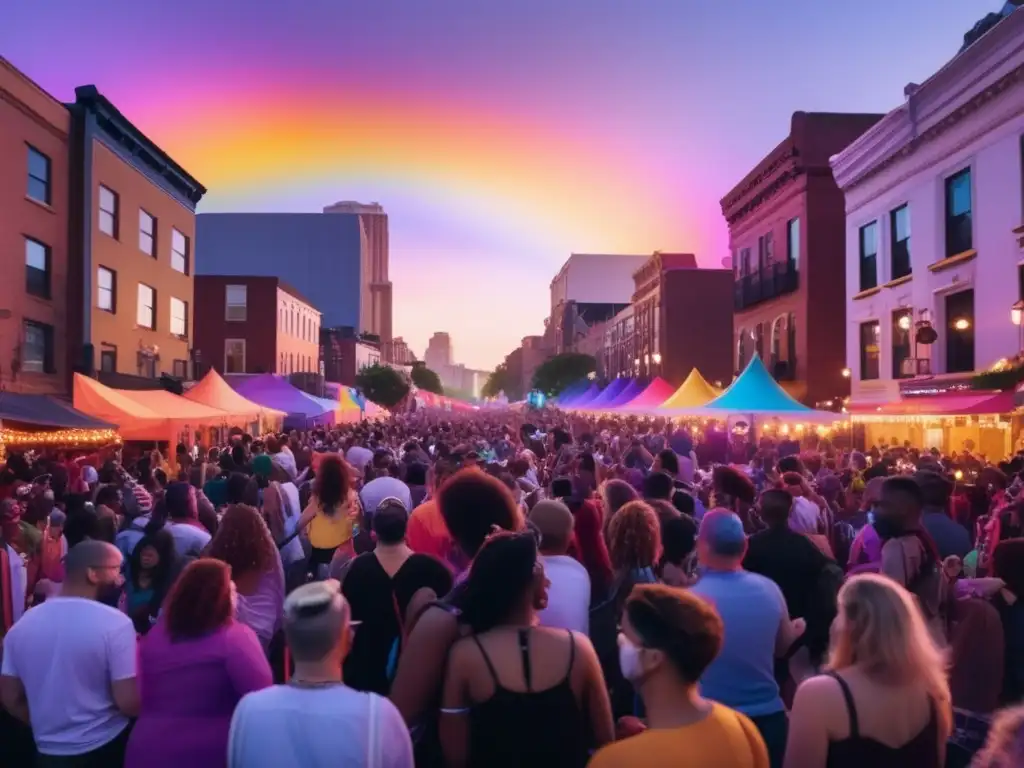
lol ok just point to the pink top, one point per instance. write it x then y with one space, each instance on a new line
189 691
865 552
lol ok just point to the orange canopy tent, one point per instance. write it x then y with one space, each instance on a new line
146 415
213 391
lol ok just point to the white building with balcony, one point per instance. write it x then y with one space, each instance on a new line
934 211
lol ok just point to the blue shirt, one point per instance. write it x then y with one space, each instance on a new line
752 609
950 537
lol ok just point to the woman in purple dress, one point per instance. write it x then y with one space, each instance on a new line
194 666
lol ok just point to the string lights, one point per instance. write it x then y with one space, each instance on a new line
66 437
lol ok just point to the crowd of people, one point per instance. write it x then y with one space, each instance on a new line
512 588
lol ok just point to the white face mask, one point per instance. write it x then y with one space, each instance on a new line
629 659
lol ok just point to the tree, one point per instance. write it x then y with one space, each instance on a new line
561 371
426 379
497 382
383 385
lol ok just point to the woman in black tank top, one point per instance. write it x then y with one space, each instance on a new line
885 703
516 694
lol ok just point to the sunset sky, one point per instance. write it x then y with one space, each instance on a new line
499 136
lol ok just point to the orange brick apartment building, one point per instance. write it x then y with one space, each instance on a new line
105 223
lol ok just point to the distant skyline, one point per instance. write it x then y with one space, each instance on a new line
499 137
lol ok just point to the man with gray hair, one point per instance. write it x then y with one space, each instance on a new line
757 630
315 719
69 665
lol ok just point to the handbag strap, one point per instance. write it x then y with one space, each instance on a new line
373 759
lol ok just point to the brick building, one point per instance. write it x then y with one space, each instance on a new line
254 324
787 235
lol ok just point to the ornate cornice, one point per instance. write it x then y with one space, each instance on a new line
764 194
788 154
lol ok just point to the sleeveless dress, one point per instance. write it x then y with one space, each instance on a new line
856 751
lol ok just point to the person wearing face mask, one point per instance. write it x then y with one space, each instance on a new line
69 665
669 637
195 665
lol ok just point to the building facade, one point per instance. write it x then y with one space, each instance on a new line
439 352
132 224
398 352
934 216
334 259
375 306
254 324
657 335
588 289
34 136
786 235
345 354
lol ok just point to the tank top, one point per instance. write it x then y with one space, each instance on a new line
528 728
330 531
856 751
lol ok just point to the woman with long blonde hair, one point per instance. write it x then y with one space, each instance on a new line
884 700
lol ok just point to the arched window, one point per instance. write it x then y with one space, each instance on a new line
759 340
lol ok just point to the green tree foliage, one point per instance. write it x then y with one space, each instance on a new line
497 382
426 379
383 385
561 371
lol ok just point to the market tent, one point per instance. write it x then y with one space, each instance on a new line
182 410
135 421
610 392
274 392
213 391
692 393
45 411
581 399
626 396
572 392
756 393
336 412
656 393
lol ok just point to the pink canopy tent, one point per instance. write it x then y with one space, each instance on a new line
656 393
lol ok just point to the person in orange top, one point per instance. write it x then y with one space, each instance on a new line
669 637
426 532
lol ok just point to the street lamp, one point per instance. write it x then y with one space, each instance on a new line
846 373
1017 313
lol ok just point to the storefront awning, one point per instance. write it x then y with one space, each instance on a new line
952 404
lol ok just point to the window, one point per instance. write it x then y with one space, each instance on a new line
147 234
899 235
959 232
960 332
108 360
179 317
902 328
179 252
793 242
179 369
765 250
106 289
37 268
869 256
38 176
108 211
37 349
235 303
745 262
234 356
145 315
870 334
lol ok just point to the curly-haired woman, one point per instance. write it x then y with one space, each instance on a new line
243 541
194 667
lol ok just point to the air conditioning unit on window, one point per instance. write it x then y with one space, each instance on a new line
236 313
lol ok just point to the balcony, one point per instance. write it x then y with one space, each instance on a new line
768 283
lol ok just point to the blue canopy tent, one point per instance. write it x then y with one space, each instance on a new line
610 392
274 392
44 411
632 391
587 397
572 392
756 393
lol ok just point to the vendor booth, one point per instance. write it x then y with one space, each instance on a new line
213 391
692 393
271 391
608 394
656 393
38 421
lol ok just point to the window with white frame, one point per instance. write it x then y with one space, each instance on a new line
235 298
234 356
179 317
108 211
147 234
106 289
145 315
179 252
